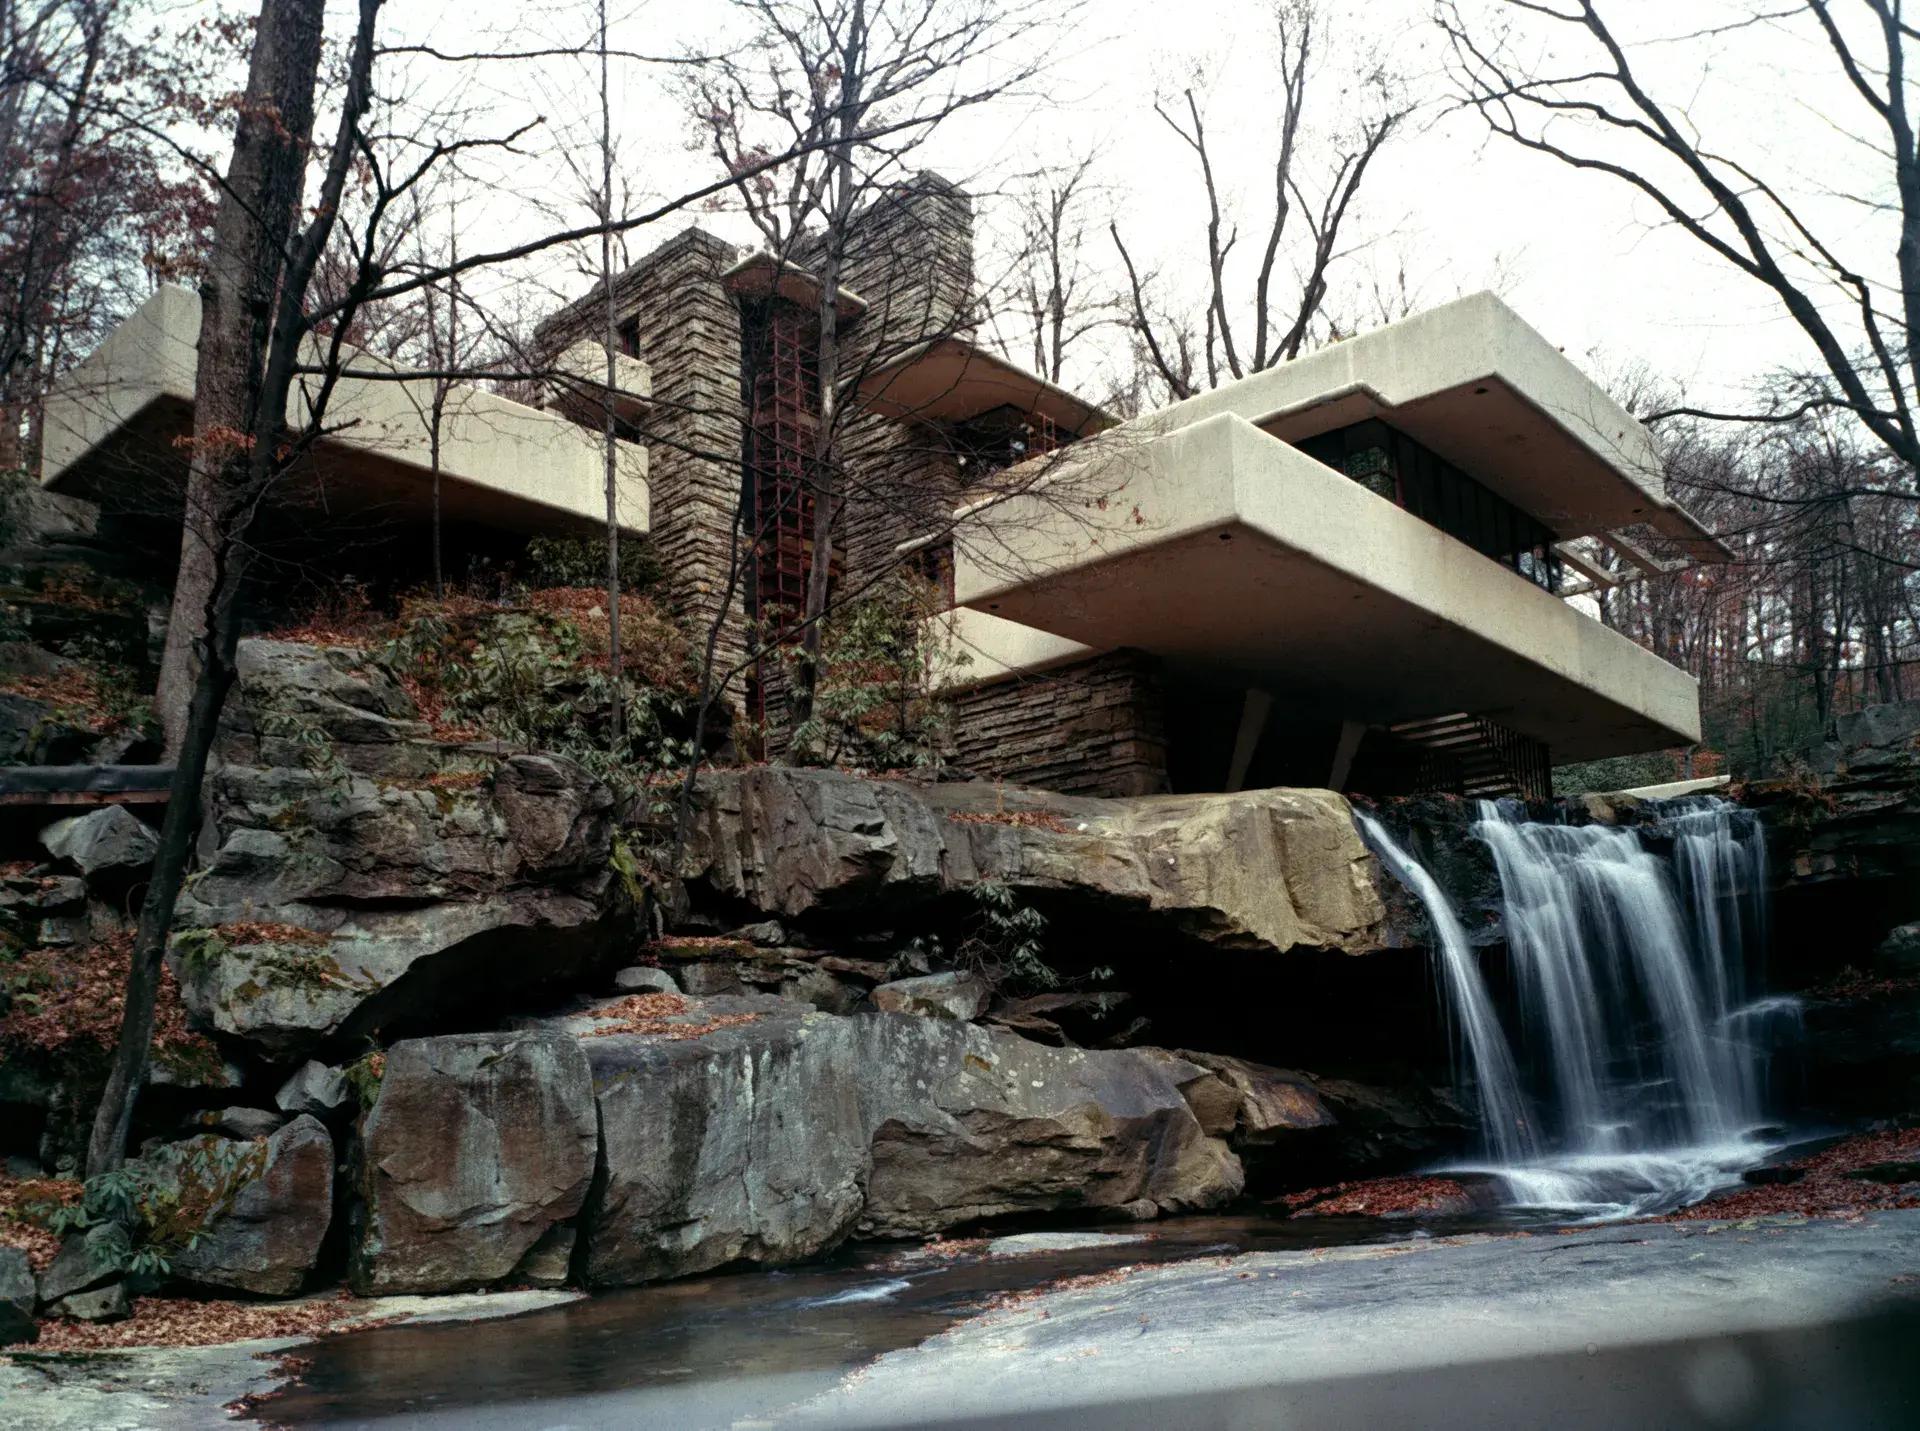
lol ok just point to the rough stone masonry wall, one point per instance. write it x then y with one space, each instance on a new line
1096 727
690 338
910 256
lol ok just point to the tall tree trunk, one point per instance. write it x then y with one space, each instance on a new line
107 1143
825 477
251 236
616 690
258 207
824 482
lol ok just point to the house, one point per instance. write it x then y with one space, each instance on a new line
1353 570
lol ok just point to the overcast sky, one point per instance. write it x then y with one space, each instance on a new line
1575 253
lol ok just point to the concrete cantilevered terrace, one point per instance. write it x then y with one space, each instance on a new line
112 423
1200 535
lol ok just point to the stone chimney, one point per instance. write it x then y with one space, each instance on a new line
910 255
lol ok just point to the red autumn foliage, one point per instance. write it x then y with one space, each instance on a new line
19 1226
241 933
1826 1186
662 1015
1020 819
1380 1197
183 1322
1013 1301
76 689
72 588
1852 984
77 995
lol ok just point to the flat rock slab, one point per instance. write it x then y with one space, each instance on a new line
1150 1346
1034 1244
1266 870
189 1388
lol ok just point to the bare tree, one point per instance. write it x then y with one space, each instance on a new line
817 77
1311 196
274 346
1593 110
616 701
257 277
447 349
1058 287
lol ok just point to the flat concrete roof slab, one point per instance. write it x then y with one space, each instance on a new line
952 379
1225 552
1472 382
112 423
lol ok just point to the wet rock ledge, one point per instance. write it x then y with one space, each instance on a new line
449 1033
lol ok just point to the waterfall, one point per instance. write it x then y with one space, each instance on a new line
1629 1075
1484 1056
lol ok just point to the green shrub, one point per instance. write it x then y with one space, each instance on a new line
582 561
535 679
878 703
136 1217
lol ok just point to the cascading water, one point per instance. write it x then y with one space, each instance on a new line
1634 1075
1490 1070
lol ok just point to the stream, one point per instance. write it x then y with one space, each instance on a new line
713 1350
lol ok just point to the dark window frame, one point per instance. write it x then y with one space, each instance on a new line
1440 494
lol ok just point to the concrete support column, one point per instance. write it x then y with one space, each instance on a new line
1344 750
1254 711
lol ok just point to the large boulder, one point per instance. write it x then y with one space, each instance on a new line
262 1207
105 842
1291 1128
1265 1104
291 697
315 1088
755 1129
244 1123
39 907
478 1145
79 1284
1264 870
644 979
951 995
368 875
17 1297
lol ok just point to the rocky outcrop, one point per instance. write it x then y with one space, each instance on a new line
314 1088
372 873
1290 1127
1843 838
1848 810
477 1146
1269 870
1899 952
79 1285
1250 1103
103 843
936 996
17 1297
753 1129
264 1206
